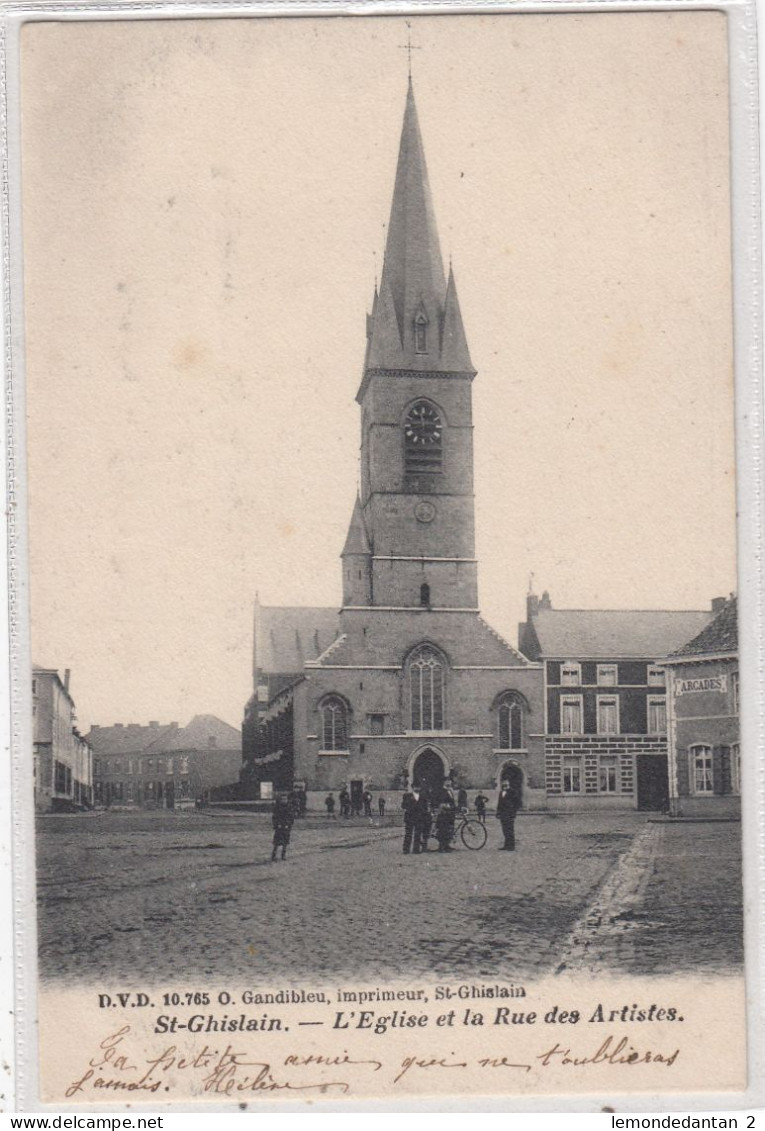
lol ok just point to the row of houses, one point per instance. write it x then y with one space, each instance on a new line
125 766
164 766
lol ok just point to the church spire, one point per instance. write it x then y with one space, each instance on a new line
415 324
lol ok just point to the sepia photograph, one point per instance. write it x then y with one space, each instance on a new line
382 553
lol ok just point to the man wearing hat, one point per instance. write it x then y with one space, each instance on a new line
507 807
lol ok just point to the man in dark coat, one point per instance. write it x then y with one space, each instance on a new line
367 799
345 803
507 807
409 804
423 820
282 820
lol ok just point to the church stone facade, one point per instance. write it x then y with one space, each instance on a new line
406 683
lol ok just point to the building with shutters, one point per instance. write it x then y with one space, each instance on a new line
405 682
703 720
606 699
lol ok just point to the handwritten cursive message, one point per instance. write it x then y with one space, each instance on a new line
233 1071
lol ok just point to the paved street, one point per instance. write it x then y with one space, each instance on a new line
154 896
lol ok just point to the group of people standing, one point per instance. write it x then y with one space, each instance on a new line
351 805
427 810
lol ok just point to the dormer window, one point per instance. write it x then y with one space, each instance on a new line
420 333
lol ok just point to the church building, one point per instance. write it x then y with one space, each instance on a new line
405 683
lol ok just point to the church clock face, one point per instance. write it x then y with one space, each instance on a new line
423 426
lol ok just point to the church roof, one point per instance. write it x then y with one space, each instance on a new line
413 287
615 633
357 541
719 636
287 636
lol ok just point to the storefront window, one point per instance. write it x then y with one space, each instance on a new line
572 775
607 775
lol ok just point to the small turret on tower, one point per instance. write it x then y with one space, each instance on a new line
357 561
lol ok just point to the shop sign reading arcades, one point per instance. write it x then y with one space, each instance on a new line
708 683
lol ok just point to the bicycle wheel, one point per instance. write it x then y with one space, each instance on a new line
473 835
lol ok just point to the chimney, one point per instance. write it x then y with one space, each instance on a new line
118 726
153 724
718 604
67 673
545 603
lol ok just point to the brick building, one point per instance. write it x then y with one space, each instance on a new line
63 759
164 766
703 720
605 695
406 682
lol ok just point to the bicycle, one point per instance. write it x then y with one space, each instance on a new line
471 832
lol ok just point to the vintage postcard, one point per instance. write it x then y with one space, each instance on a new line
382 719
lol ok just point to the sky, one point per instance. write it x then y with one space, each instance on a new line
205 205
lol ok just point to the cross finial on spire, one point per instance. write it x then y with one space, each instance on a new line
409 47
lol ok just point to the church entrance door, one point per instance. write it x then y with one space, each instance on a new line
357 796
428 771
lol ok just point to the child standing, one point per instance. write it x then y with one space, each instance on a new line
282 819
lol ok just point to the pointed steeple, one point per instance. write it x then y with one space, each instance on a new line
357 541
454 347
415 322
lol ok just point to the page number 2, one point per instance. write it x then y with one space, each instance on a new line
749 1122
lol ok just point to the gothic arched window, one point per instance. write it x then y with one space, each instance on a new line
427 678
334 724
423 435
509 723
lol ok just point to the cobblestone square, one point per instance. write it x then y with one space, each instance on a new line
130 899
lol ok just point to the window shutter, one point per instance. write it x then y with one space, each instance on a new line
717 770
725 771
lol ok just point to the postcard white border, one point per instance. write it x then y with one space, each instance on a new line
18 1035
